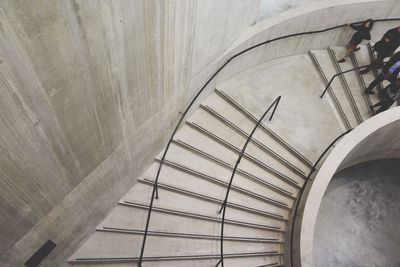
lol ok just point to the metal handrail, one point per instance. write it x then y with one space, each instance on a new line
338 74
313 169
223 206
154 193
341 73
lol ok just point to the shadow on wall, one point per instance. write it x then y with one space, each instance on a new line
270 8
358 219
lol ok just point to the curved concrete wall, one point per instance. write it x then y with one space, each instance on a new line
376 138
91 90
317 16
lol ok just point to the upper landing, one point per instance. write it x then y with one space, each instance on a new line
302 118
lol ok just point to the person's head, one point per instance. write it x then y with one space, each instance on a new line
368 23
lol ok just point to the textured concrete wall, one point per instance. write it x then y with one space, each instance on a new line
90 90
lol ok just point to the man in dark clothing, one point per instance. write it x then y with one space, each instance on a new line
389 72
390 94
362 33
384 48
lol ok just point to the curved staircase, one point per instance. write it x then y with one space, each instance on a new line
185 224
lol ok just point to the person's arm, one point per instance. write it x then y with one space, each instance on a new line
393 72
356 26
367 36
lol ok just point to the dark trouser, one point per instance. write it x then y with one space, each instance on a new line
384 105
375 82
375 64
386 102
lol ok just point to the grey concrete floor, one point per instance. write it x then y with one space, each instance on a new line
358 223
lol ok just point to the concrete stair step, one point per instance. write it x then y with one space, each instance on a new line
196 139
177 201
325 61
260 259
295 166
350 81
104 244
362 58
199 161
219 102
241 193
330 98
376 72
280 214
133 217
302 119
217 130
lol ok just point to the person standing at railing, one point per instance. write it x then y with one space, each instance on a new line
390 94
390 71
363 30
384 48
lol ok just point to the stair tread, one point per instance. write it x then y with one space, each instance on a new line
183 156
256 260
205 121
363 58
327 67
200 141
229 112
131 217
176 201
257 87
352 81
115 245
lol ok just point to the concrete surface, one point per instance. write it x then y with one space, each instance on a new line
270 8
90 90
302 118
319 15
384 124
357 224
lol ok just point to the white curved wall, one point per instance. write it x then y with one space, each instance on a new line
320 15
376 138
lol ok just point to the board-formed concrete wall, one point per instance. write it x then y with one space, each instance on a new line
90 90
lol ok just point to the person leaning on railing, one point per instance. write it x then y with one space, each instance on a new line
389 95
384 48
390 71
363 30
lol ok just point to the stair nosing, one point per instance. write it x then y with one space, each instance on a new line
186 235
331 93
361 83
178 257
229 166
201 216
220 182
254 140
214 200
345 86
246 155
265 128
